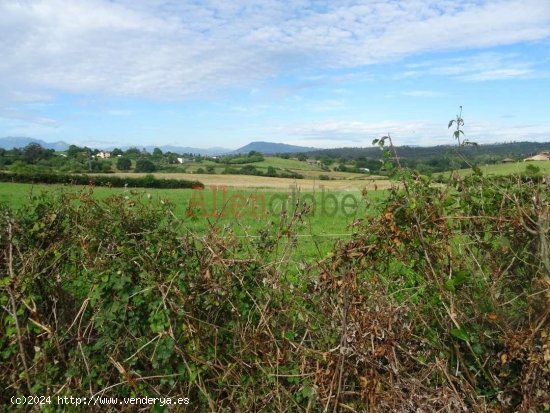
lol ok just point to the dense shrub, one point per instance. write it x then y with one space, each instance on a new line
123 163
532 170
244 159
145 165
271 172
290 174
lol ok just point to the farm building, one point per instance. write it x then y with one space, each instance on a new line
104 155
539 157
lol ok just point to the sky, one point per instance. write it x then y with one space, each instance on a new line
306 72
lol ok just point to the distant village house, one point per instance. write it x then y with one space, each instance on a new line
543 156
104 154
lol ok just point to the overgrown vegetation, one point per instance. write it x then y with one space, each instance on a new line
438 302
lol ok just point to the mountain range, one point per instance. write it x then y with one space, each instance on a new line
11 142
267 148
270 148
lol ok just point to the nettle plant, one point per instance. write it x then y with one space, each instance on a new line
459 122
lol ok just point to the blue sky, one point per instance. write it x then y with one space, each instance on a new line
315 73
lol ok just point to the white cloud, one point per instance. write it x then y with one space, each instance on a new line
415 132
478 67
499 74
27 117
172 49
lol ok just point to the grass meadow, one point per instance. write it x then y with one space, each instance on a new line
232 209
512 168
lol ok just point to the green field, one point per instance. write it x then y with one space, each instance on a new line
281 164
234 209
507 168
273 161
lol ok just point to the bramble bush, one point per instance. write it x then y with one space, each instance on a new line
440 302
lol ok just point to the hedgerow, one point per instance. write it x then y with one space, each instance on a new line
147 181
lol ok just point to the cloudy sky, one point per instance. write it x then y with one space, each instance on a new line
308 72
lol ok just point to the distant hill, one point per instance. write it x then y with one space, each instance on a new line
270 148
515 150
11 142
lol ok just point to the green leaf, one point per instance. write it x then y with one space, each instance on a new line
504 242
460 334
290 335
450 285
460 277
478 349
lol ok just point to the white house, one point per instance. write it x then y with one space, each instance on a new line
104 154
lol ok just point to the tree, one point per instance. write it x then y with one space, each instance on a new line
132 152
74 151
144 165
123 164
157 152
98 165
271 171
302 157
116 152
33 152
